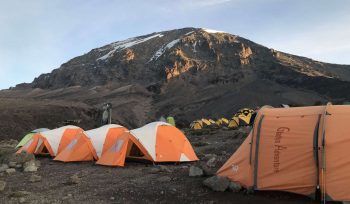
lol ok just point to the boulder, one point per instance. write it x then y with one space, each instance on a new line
3 167
2 185
195 171
30 166
234 187
22 157
34 178
10 170
217 183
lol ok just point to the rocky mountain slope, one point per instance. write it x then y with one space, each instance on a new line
187 73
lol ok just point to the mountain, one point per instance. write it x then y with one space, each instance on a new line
187 73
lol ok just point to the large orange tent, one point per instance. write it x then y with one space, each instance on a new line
51 142
156 142
302 150
89 145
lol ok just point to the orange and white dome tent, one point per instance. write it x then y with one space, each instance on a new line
157 142
89 145
52 141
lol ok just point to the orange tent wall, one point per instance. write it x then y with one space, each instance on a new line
171 143
285 158
111 157
280 152
237 168
116 152
67 137
337 149
79 149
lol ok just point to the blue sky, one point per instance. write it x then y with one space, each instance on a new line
39 35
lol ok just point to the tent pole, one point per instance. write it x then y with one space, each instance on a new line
323 153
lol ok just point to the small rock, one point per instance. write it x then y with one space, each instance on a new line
34 178
209 156
18 194
3 167
164 168
235 187
212 162
217 183
2 185
249 191
154 170
65 198
75 179
22 200
112 198
10 170
19 166
164 179
30 166
206 170
69 195
195 171
12 164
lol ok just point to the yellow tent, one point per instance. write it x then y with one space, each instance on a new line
196 125
222 122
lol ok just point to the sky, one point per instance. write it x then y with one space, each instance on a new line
38 36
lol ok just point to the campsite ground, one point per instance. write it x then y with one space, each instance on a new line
85 182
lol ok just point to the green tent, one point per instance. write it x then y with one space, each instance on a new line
171 121
29 136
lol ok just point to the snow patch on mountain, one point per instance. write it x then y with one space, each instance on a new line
212 31
161 51
121 45
194 46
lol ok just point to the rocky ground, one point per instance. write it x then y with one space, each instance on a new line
24 179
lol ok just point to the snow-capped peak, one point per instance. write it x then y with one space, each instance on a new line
212 31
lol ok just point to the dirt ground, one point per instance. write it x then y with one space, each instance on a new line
138 181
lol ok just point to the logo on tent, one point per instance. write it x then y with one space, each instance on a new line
278 148
235 168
